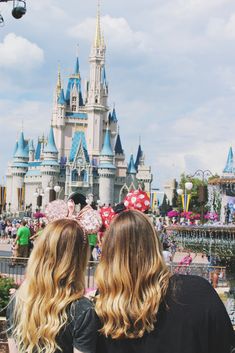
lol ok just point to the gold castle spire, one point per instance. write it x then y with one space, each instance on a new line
98 36
58 85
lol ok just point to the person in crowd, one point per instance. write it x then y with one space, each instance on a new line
49 312
39 231
22 239
143 308
92 239
167 255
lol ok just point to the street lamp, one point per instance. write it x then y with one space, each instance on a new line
39 193
202 189
19 9
53 190
185 196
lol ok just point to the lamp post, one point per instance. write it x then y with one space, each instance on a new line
19 9
53 190
202 189
185 195
39 193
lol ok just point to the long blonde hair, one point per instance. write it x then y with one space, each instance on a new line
132 277
55 277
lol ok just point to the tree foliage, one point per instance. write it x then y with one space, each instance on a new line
195 205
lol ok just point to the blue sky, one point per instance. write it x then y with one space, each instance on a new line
170 67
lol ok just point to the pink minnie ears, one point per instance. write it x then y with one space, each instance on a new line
107 214
137 200
89 219
56 210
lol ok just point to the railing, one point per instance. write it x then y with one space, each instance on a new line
216 275
15 268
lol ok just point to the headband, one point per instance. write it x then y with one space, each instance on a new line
135 200
89 219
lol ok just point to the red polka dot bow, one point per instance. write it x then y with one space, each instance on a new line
137 200
107 214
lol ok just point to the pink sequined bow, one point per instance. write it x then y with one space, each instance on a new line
88 218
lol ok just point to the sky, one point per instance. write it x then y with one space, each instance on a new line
170 66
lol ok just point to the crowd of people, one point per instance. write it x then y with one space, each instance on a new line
21 234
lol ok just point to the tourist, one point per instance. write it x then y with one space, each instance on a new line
143 308
22 239
167 255
49 312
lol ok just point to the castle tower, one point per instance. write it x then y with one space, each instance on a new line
120 158
50 167
97 93
19 168
131 174
106 170
144 175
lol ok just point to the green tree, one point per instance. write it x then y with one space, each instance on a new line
165 206
195 205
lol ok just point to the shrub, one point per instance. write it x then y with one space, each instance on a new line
6 283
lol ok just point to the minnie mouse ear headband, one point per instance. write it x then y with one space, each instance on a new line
135 200
88 219
107 214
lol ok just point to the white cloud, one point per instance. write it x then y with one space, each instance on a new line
118 33
34 115
19 54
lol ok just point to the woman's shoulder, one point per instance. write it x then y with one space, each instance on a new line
190 287
81 306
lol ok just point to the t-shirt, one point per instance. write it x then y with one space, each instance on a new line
167 256
194 321
92 239
79 332
24 234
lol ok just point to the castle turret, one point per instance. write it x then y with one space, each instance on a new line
97 93
131 166
19 168
50 168
31 151
144 176
107 171
229 164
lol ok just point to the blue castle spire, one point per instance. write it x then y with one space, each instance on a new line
107 148
76 70
131 166
138 156
61 99
229 164
51 147
22 150
118 146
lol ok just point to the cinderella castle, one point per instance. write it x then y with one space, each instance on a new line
83 151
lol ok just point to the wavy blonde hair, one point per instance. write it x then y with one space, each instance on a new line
55 277
132 277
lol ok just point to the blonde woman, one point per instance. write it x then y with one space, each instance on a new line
142 308
49 312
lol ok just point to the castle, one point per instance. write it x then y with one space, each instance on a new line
83 152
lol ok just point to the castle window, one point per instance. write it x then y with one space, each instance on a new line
73 108
74 175
74 100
